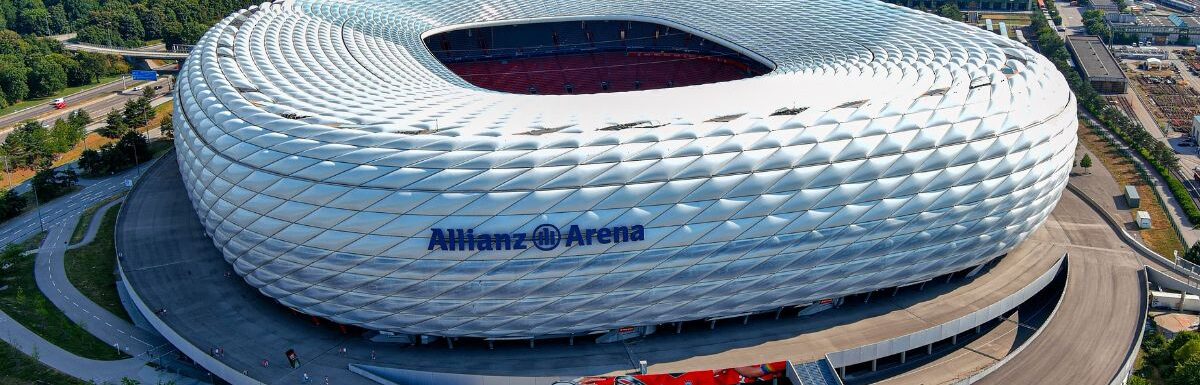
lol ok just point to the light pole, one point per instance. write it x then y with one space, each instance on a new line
37 206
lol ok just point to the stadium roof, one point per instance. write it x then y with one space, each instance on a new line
376 76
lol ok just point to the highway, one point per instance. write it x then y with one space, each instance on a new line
97 102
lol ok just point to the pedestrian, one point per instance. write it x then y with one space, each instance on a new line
266 363
372 355
326 380
305 379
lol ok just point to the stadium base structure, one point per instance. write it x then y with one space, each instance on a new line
168 263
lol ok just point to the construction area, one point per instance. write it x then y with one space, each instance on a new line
1168 97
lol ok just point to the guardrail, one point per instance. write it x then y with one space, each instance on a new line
897 345
1131 356
973 378
1126 237
198 355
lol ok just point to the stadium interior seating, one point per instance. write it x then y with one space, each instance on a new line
586 57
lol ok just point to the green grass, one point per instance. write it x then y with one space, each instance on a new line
65 92
24 302
91 268
85 219
160 147
18 368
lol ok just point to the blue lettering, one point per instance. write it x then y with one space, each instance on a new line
574 236
519 241
437 239
603 236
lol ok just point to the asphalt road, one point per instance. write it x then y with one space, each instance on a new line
1089 337
58 210
97 102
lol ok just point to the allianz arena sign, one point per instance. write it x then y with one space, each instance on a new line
545 237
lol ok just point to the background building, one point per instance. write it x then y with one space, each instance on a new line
984 5
1097 65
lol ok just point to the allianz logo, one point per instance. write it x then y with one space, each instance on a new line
545 237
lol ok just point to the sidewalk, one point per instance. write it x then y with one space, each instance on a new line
1190 235
50 273
51 276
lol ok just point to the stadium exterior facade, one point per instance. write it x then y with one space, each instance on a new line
345 172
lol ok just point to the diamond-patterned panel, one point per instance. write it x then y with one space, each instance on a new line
925 147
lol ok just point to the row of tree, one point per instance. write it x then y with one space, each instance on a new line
34 146
1160 155
38 67
118 22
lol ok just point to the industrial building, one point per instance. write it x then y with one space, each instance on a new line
447 168
984 5
1097 65
1160 29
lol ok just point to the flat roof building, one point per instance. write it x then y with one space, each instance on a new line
1105 5
987 5
1097 65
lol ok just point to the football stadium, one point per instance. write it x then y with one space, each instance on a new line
531 168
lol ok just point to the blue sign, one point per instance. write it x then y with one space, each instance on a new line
144 75
545 237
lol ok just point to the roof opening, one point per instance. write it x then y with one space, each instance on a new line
587 57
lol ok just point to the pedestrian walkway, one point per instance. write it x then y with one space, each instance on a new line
93 227
1173 208
51 278
55 357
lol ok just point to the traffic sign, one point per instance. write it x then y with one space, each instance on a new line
144 75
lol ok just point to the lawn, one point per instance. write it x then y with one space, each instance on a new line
85 218
24 302
1162 239
91 268
60 94
18 368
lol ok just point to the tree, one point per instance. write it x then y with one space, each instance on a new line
14 78
138 112
167 128
1188 352
11 43
11 204
46 77
28 146
91 162
1193 253
1086 163
950 11
1186 373
49 184
80 118
114 126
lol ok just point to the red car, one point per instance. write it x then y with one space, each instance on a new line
59 103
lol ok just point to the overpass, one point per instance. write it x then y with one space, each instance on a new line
128 52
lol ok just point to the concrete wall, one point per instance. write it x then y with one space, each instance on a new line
867 353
